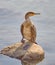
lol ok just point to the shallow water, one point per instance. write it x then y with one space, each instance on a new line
12 15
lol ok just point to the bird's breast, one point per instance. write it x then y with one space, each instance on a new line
27 32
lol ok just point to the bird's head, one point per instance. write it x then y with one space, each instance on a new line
28 14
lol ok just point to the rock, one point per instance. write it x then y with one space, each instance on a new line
28 53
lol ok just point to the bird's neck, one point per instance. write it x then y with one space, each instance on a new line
26 17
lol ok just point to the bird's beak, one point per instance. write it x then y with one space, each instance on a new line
37 13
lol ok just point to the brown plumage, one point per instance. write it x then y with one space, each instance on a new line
28 29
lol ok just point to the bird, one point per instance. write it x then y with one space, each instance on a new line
28 29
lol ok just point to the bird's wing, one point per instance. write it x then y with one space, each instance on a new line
33 33
22 29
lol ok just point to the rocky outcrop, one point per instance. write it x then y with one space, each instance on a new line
28 53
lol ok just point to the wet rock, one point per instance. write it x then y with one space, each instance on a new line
28 53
